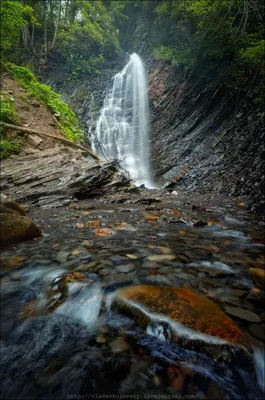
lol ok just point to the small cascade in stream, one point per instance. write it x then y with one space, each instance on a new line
122 128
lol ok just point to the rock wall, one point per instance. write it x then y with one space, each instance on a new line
202 138
85 94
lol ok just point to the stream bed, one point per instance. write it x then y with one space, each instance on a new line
154 298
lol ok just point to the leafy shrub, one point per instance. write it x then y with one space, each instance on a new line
8 147
7 109
67 120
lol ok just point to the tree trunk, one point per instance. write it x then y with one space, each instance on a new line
60 139
45 38
57 24
66 12
32 39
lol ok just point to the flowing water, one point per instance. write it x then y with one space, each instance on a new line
64 336
122 128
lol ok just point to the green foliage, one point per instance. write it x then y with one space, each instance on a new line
13 17
7 108
90 38
213 35
253 56
67 119
7 114
8 147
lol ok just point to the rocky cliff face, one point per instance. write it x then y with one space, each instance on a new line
85 94
201 139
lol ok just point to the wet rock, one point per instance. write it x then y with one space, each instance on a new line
126 227
119 345
112 282
125 268
161 258
10 206
74 177
62 256
257 330
200 223
239 293
16 228
259 275
194 362
214 268
87 267
182 305
101 339
242 314
118 260
158 279
11 262
132 256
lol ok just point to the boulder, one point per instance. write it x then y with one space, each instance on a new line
16 228
8 205
196 312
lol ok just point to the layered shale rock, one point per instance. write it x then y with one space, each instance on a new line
57 176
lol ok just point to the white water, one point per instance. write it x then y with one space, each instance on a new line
122 128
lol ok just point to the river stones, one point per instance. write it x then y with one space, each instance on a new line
242 314
16 228
259 275
181 305
257 330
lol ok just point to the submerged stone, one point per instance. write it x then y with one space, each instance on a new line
242 314
180 305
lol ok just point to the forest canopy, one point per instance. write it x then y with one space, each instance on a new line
192 34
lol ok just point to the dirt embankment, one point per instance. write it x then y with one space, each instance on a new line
32 115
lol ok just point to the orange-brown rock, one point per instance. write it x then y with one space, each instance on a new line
16 228
184 306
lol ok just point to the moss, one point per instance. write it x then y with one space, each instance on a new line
67 120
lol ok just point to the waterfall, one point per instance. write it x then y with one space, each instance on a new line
122 128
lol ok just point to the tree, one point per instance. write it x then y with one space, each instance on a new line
13 18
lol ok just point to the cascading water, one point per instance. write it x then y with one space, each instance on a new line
122 128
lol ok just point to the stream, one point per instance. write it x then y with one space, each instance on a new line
88 310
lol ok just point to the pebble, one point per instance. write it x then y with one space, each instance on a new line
119 345
161 257
101 339
85 267
259 275
118 260
257 330
132 256
125 268
242 314
62 256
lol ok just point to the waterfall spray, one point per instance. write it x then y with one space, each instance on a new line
122 128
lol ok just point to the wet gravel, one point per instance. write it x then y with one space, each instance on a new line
52 350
